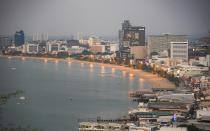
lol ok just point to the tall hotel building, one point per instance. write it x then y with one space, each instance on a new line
160 43
130 36
19 38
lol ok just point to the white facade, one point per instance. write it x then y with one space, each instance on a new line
114 48
179 51
30 48
53 46
160 43
75 50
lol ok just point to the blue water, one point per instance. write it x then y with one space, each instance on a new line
58 94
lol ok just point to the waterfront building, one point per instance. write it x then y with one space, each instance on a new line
53 46
97 49
130 36
75 50
19 38
30 48
111 48
138 52
160 43
179 51
42 47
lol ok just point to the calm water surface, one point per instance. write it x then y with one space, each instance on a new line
58 94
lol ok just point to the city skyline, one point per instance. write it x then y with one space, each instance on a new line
104 18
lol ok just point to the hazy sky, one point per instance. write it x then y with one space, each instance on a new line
104 17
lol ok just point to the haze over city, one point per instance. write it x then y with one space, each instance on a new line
104 65
104 17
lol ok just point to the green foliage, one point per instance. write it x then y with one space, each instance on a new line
86 52
62 55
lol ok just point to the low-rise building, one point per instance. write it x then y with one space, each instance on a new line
75 50
97 48
179 51
53 47
30 48
138 52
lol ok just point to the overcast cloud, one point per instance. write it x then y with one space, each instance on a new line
104 17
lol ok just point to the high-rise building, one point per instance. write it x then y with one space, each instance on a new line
19 38
4 41
130 36
160 43
179 51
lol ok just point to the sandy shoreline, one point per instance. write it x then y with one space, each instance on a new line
153 79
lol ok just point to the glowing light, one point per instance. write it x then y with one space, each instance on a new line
45 60
23 58
141 80
69 62
102 69
9 57
91 56
91 65
56 61
141 83
131 75
113 70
